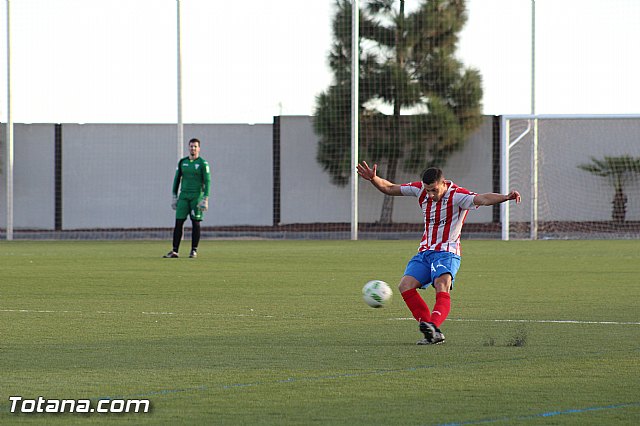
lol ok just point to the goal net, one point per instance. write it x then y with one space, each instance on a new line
579 176
95 140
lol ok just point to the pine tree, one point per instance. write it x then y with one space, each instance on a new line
409 68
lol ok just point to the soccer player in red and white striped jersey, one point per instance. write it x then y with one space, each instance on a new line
444 207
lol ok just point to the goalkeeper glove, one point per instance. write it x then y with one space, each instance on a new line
204 204
174 203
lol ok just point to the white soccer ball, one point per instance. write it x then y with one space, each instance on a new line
376 293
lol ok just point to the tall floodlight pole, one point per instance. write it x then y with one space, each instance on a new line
9 134
180 126
355 76
533 57
507 144
534 145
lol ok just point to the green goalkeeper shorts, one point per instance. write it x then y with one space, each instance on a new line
188 206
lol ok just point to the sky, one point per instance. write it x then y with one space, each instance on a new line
114 61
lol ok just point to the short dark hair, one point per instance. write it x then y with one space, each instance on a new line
431 175
195 140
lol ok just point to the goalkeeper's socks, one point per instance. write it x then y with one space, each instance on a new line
416 305
441 308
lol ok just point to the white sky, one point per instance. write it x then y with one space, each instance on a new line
112 61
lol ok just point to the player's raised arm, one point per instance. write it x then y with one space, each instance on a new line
382 185
490 199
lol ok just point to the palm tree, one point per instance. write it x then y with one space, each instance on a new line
417 102
619 171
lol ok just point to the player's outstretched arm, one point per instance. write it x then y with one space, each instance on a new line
490 199
382 185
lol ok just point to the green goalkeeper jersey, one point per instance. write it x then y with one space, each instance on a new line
192 176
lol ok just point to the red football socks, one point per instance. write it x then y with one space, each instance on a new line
441 308
416 305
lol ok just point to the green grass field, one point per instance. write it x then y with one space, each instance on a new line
276 332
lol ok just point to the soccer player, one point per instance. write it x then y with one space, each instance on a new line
444 206
193 177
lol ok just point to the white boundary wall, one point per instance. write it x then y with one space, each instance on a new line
307 195
120 175
33 177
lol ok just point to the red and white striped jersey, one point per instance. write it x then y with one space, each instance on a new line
443 220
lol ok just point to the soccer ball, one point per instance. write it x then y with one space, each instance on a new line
376 293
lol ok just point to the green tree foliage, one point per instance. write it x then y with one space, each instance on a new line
417 102
618 171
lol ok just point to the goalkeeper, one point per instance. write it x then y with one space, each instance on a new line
193 177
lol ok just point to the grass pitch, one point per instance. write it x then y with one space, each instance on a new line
276 332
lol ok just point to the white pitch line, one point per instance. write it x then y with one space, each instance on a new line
255 315
32 311
37 311
532 321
